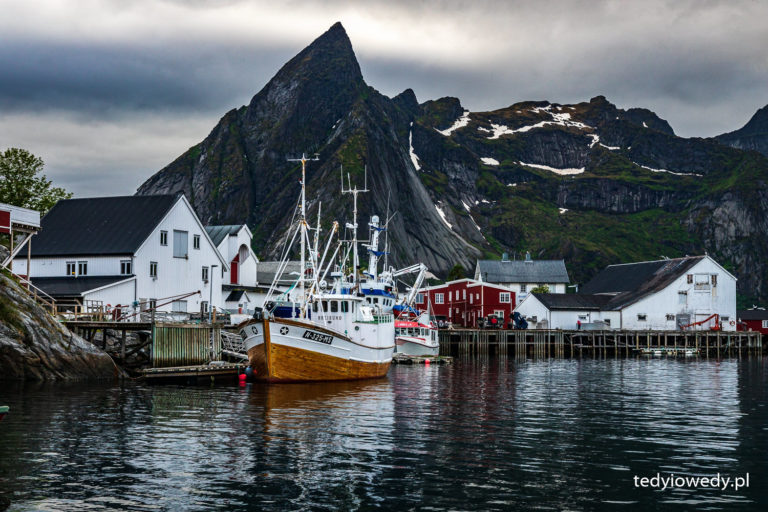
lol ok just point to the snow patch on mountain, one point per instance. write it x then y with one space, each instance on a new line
489 161
442 216
460 123
562 172
414 156
668 172
558 119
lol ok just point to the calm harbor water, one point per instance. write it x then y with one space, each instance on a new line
483 434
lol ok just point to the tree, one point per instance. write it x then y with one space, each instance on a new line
542 288
20 184
457 272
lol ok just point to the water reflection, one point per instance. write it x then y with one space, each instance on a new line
484 434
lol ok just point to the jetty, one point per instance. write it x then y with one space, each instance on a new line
577 343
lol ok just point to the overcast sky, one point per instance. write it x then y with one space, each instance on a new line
108 92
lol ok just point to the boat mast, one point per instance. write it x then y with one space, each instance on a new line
353 226
303 224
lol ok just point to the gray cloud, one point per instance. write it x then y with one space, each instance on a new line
108 93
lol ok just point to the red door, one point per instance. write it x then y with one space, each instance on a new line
233 270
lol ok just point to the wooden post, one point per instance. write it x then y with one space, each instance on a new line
29 260
10 263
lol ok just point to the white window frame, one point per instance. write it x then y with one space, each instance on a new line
179 306
163 237
450 296
71 269
439 298
505 297
152 269
196 242
180 249
419 298
523 288
82 268
126 267
205 274
765 324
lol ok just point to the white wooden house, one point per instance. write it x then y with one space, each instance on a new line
135 251
239 286
652 295
522 276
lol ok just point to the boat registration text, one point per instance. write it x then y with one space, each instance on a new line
316 336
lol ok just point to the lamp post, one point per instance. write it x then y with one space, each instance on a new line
210 295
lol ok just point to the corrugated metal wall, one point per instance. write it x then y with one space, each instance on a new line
184 344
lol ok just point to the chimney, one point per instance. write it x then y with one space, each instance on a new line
528 257
505 256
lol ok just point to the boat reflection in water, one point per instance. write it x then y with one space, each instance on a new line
320 437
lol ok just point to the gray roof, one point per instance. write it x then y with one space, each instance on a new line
753 314
100 225
68 286
572 301
218 233
266 270
519 271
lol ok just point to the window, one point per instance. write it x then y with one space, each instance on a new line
179 306
583 318
523 288
345 306
180 244
714 279
450 296
607 321
439 298
82 268
724 319
641 317
152 303
504 297
204 307
690 278
464 294
196 242
499 313
125 267
334 306
163 238
70 268
152 269
470 297
419 298
205 274
701 282
682 297
765 324
670 317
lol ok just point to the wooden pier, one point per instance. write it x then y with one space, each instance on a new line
558 343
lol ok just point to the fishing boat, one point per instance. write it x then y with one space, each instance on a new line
3 411
318 332
415 338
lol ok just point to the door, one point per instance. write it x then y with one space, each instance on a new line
233 270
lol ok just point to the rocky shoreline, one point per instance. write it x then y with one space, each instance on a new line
34 346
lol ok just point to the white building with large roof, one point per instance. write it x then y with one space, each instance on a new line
142 251
665 294
522 276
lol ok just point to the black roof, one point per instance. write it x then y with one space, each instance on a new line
629 282
234 296
218 233
753 314
572 301
100 225
68 286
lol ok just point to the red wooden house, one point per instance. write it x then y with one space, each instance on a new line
464 302
753 320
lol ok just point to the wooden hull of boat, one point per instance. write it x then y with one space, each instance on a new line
275 362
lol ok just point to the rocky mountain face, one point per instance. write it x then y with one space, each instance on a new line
754 134
34 346
587 182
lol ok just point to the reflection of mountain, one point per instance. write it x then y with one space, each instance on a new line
318 438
